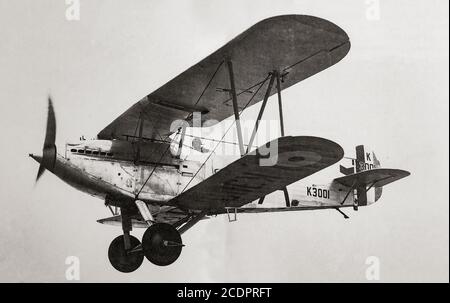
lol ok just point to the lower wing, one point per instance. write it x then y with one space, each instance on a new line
267 169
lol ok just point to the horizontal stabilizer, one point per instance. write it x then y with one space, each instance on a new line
377 177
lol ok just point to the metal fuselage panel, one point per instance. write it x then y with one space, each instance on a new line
105 168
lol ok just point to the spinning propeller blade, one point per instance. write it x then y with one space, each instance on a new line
47 161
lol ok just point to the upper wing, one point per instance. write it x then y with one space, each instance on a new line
253 176
375 177
295 45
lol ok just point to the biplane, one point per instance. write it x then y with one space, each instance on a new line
135 165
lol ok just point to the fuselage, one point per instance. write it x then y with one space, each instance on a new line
118 170
121 171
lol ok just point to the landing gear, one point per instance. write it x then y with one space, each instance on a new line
125 260
162 244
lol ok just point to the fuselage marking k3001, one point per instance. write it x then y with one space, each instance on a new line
317 192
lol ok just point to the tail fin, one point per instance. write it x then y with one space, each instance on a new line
364 160
367 177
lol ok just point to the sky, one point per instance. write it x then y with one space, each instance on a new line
390 92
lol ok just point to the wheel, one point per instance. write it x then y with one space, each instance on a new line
162 244
122 260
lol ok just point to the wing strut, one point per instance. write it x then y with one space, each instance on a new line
280 106
286 197
261 84
273 75
280 110
261 200
191 222
137 156
235 107
261 111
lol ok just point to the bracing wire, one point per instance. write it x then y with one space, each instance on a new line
168 147
234 121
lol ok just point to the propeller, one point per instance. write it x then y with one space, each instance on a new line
48 158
